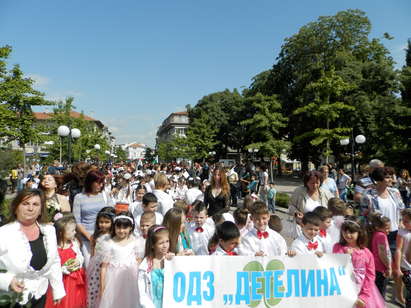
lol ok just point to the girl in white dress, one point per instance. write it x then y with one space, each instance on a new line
119 269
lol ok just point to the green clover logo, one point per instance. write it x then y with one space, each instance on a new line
255 266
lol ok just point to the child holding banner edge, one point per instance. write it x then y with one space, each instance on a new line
227 238
151 270
353 241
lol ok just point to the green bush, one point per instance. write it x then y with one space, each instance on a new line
282 199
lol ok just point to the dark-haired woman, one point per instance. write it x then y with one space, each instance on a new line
86 207
305 199
309 196
28 251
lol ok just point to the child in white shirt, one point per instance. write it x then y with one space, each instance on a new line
147 220
149 204
199 230
338 209
227 238
326 221
241 218
308 242
261 240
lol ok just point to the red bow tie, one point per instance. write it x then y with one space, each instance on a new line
261 234
323 233
312 245
231 253
199 229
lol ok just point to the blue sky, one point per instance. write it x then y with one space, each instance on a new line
131 63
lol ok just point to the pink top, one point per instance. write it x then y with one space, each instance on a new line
379 238
364 273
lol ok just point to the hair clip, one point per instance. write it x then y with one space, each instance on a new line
58 216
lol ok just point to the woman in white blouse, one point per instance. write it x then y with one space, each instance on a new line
28 251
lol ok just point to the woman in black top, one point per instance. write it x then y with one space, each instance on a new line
217 194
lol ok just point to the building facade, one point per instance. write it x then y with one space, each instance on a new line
135 151
175 124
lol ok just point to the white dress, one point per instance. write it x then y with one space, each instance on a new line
121 289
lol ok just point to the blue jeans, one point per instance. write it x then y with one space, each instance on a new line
343 194
271 205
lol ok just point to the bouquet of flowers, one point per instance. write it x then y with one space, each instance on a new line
53 207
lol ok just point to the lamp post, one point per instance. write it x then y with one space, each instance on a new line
64 131
252 152
359 139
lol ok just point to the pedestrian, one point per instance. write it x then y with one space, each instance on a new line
151 270
180 243
271 195
402 264
102 232
308 242
343 181
379 228
261 240
217 194
227 239
119 268
200 229
353 241
74 276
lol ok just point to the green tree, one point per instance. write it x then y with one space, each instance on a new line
17 98
120 153
216 124
332 49
149 156
264 126
325 109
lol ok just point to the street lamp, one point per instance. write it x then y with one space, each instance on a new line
64 131
252 151
359 139
97 147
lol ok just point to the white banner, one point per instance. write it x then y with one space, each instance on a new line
234 281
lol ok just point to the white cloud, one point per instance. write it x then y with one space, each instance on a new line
61 96
39 80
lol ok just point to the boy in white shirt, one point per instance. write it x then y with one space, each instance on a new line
199 230
326 221
147 219
149 204
226 238
308 242
261 240
240 219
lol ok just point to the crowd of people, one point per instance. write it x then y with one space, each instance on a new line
98 236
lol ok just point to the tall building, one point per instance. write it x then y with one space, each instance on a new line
175 124
135 151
